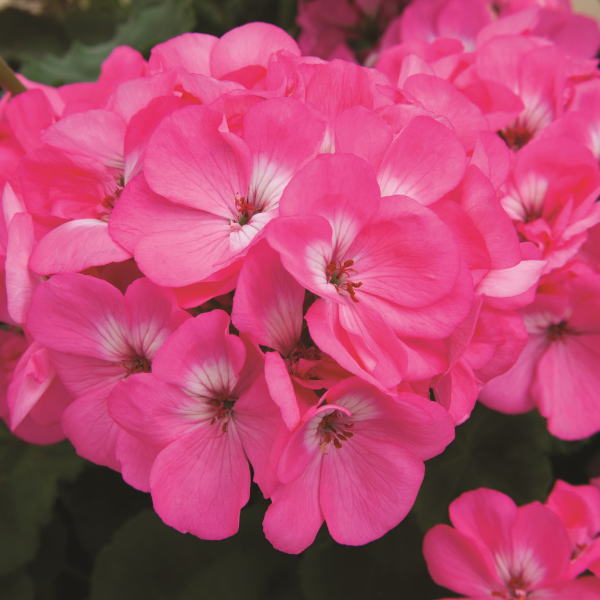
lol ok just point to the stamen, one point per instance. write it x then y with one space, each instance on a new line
245 209
337 274
557 331
223 404
139 364
335 434
516 137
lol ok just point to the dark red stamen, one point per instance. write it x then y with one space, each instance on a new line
138 364
223 405
333 431
516 137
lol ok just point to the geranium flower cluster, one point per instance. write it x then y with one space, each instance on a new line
233 255
499 550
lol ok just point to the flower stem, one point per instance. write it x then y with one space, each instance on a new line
8 79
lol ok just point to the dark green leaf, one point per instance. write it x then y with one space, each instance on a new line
24 35
149 23
28 486
508 453
391 567
147 560
16 586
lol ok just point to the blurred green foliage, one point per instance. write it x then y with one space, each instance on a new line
70 40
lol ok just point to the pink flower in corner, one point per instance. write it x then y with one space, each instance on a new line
355 462
499 551
557 370
578 507
206 410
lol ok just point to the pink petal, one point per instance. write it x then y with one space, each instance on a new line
367 488
283 135
156 413
268 301
191 162
565 385
98 134
140 129
76 246
339 187
541 547
504 283
412 259
281 389
136 460
81 315
487 517
509 393
297 503
201 356
363 133
29 114
250 44
456 562
190 51
492 157
424 162
200 482
304 245
359 340
91 430
154 316
31 378
263 433
442 98
21 282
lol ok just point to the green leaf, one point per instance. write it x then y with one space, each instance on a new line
149 23
508 453
391 567
147 560
17 586
25 35
28 487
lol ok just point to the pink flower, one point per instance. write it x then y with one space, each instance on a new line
497 550
379 271
206 411
218 190
557 369
578 507
97 337
551 197
355 462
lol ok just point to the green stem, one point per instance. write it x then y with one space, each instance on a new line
8 79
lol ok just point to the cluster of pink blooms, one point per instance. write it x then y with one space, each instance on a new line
234 255
497 550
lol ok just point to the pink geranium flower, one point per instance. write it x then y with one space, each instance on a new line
206 411
97 338
497 550
557 369
218 191
578 507
356 462
375 264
